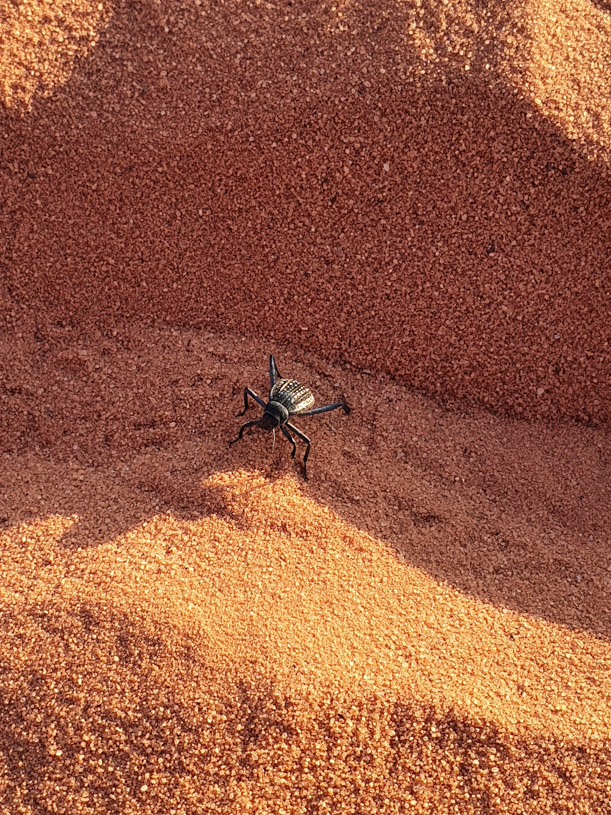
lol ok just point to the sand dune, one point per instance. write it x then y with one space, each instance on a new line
408 203
185 624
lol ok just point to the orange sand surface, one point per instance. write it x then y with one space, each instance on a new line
422 626
408 203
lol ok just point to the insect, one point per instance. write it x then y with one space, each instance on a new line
287 397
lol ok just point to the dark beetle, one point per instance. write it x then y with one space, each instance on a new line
287 397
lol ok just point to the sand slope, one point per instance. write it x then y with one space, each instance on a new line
186 624
386 185
408 202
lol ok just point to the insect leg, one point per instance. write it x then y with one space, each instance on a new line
249 392
290 438
274 373
304 438
243 428
326 409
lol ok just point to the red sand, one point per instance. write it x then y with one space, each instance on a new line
302 173
393 198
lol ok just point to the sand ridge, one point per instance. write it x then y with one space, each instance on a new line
218 633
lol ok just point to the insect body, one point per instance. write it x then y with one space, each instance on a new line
287 397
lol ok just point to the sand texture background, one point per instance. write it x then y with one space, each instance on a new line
409 203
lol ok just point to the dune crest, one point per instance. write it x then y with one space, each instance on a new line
567 69
41 43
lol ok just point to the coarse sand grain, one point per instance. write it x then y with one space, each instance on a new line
409 203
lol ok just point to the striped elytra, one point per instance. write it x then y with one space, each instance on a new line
287 397
292 394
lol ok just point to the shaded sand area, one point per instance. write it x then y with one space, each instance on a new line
379 182
408 203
